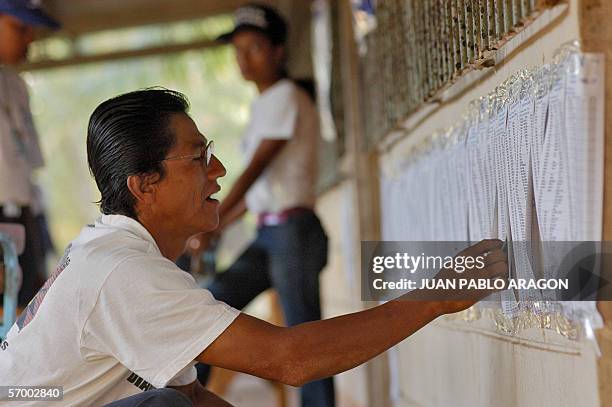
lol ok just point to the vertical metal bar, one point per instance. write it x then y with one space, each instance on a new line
491 23
484 26
516 13
526 7
444 38
462 32
391 87
400 61
437 25
450 43
385 38
457 35
477 27
435 56
419 57
411 54
469 31
508 22
499 19
437 43
400 58
429 47
423 52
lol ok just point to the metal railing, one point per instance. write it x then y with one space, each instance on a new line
12 280
420 46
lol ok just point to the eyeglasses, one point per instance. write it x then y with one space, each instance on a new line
205 154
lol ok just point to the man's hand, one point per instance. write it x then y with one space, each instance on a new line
495 267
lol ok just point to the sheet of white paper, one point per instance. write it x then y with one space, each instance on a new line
475 186
584 145
552 194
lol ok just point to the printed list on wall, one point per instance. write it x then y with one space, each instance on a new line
525 164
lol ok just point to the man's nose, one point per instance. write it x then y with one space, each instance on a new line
216 168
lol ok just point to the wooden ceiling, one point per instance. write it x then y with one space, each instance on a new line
80 17
84 16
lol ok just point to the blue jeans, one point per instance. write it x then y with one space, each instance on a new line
288 257
165 397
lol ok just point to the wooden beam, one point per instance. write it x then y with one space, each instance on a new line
85 16
114 56
361 167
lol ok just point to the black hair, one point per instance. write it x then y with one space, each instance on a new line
129 135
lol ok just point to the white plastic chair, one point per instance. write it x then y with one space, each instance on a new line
12 241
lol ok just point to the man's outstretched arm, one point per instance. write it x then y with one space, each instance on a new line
319 349
316 349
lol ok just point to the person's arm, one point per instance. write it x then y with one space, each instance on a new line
314 350
200 397
265 153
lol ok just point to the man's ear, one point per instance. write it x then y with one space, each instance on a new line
143 187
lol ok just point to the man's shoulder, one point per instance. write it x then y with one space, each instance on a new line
107 249
113 240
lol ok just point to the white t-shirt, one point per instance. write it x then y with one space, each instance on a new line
19 148
114 319
284 111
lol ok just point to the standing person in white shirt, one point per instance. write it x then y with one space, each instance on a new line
280 146
19 148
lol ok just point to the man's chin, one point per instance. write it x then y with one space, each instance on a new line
212 223
209 215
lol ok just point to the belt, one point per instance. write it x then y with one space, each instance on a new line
274 219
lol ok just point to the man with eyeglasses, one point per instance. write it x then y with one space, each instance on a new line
20 153
119 323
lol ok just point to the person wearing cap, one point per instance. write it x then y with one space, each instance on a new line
19 147
278 185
